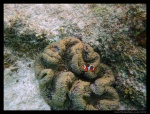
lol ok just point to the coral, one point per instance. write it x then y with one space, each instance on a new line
63 83
122 46
133 91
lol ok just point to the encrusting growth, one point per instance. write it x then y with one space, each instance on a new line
63 83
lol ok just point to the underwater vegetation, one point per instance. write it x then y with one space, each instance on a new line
25 43
9 58
65 86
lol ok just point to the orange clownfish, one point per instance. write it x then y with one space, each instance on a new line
88 67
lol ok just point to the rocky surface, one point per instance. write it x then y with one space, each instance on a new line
21 91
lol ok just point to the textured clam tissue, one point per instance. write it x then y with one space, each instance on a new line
63 83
